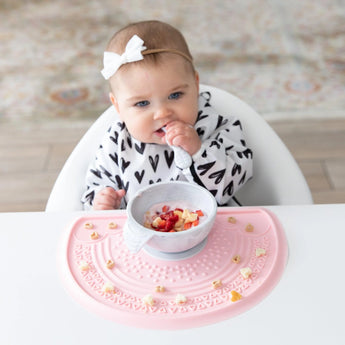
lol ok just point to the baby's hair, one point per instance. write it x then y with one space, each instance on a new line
156 35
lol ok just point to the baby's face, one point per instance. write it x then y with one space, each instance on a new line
149 97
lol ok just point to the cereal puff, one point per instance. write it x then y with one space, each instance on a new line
180 299
217 284
160 288
260 252
148 300
108 288
235 296
246 272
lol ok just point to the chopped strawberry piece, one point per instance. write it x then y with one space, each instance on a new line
162 224
165 208
167 215
187 225
174 218
196 222
199 213
169 225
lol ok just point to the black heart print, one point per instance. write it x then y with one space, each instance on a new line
206 95
237 123
229 189
248 153
140 149
218 175
154 162
200 132
236 169
124 164
205 167
96 173
114 158
221 122
169 157
215 143
115 138
120 183
243 178
122 125
139 175
201 116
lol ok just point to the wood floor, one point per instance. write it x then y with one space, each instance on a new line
33 154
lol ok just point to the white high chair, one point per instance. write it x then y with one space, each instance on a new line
277 178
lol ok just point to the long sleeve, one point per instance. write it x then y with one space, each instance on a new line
224 162
104 169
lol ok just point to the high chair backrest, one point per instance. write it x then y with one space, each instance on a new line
277 178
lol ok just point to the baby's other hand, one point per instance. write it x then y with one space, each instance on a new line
183 135
108 199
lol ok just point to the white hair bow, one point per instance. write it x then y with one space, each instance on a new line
113 61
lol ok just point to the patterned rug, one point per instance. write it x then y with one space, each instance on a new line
284 58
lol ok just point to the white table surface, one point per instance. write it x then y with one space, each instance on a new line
306 307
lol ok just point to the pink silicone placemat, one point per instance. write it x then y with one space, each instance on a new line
137 275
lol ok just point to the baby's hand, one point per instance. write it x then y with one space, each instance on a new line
108 199
183 135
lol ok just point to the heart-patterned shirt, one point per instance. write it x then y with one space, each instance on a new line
222 165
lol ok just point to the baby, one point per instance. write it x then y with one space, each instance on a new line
155 91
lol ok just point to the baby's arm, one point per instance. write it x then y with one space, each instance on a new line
101 174
108 199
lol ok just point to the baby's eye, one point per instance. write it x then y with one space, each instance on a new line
175 95
142 104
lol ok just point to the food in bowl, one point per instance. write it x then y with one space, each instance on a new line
172 217
188 195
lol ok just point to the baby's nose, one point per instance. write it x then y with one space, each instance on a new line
162 112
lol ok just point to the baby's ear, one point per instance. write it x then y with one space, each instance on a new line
114 101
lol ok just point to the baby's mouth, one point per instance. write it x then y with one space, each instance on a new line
160 132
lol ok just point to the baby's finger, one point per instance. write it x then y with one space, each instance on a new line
119 195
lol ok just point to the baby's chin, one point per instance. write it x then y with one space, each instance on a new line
159 140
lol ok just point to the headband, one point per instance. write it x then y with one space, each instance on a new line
135 51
